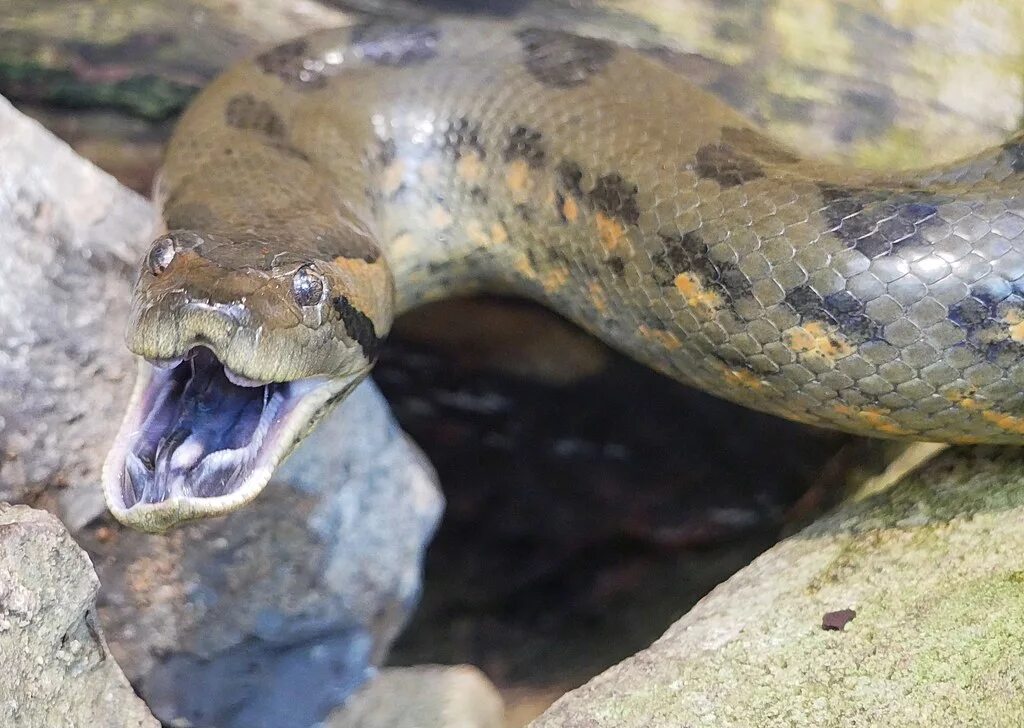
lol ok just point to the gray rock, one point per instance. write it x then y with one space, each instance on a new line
57 672
70 236
932 570
429 696
312 582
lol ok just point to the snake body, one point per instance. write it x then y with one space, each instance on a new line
318 189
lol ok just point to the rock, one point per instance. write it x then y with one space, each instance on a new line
70 236
57 672
431 696
927 581
314 581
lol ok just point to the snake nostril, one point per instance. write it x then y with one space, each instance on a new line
161 255
308 286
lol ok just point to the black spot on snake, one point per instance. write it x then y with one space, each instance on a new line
878 223
972 312
726 165
563 60
290 62
570 175
983 319
246 112
459 136
616 197
525 143
841 309
1004 353
616 264
688 253
359 327
523 211
387 44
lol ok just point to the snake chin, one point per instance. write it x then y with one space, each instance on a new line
200 440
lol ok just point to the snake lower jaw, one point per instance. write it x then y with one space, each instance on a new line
198 441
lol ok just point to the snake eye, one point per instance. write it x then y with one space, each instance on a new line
308 286
161 255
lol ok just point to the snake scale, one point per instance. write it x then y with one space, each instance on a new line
320 188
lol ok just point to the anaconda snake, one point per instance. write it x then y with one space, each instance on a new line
316 190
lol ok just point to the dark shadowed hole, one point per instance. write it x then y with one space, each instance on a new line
584 517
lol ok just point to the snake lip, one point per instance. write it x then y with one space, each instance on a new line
199 440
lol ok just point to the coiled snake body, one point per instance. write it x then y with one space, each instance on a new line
313 192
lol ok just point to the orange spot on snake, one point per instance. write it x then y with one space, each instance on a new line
664 338
571 209
967 400
744 378
877 418
612 232
496 234
697 296
818 340
517 177
554 279
476 233
1015 324
1003 421
439 217
470 167
598 297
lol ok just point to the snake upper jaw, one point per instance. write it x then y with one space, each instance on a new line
197 441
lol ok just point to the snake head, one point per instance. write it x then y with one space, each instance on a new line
242 350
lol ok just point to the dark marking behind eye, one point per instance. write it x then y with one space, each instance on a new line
563 60
359 327
387 44
525 143
245 111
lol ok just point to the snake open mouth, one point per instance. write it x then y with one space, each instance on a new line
198 438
